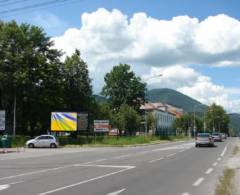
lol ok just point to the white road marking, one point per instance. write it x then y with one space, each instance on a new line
152 161
122 156
181 151
6 186
117 192
171 154
224 151
219 159
99 160
198 182
185 193
215 164
209 171
92 179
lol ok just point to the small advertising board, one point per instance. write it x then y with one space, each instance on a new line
101 126
64 121
82 122
2 120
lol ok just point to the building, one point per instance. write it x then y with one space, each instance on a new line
165 116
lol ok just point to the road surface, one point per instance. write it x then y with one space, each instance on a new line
163 169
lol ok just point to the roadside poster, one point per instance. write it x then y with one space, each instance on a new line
101 125
82 121
2 120
64 121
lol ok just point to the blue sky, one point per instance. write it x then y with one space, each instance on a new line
58 19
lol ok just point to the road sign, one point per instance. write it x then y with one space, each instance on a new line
2 120
101 125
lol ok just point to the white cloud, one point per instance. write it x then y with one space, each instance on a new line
111 35
107 38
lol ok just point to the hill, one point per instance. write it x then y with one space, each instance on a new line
99 98
177 99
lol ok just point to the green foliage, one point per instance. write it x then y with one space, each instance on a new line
217 119
123 87
127 119
234 124
151 121
77 84
31 73
185 123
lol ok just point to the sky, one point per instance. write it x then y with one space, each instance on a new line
195 45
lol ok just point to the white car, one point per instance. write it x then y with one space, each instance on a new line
204 139
42 141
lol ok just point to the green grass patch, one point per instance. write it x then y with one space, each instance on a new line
115 141
236 150
226 183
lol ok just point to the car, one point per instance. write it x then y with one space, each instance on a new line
204 139
42 141
224 135
217 137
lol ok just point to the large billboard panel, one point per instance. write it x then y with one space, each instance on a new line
101 125
64 121
2 120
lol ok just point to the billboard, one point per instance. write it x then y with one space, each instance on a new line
64 121
101 125
2 120
82 121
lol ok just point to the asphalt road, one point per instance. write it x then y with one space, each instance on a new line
165 169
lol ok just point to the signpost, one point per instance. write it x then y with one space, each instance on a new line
2 120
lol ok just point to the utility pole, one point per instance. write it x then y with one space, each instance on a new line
14 115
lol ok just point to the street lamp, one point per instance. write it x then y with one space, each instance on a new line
145 95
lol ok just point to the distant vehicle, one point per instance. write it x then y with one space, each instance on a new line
204 139
217 137
224 135
42 141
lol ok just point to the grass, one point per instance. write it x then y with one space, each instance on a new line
117 141
226 183
236 150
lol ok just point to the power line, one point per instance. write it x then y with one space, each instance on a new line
12 2
37 5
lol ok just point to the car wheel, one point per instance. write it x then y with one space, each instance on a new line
196 145
31 145
53 145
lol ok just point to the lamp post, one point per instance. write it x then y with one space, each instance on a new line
145 96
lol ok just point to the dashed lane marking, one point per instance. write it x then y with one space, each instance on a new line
198 181
152 161
117 192
209 171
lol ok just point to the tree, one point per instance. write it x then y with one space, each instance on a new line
28 73
127 119
123 87
185 124
217 119
77 84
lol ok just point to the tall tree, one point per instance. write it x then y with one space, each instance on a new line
77 84
28 73
217 119
122 86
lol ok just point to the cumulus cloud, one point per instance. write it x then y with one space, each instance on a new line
111 35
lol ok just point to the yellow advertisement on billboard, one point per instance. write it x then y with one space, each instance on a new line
64 121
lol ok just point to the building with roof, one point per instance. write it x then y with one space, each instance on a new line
164 115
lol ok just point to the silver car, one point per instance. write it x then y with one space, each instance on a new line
42 141
204 139
217 137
